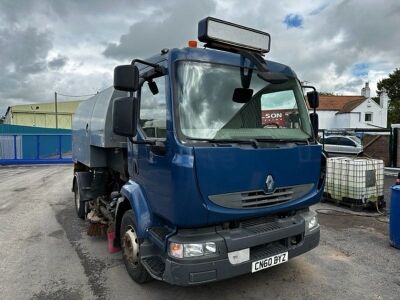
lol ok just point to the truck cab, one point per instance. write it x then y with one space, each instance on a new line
219 165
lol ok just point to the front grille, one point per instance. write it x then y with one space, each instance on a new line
261 225
259 198
267 250
273 248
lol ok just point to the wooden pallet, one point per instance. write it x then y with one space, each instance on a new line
354 204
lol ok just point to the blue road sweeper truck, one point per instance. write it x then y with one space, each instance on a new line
201 163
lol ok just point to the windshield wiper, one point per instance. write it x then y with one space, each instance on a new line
252 142
297 141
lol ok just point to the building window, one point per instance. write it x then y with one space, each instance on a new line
368 117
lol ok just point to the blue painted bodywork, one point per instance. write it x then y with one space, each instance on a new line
173 189
136 196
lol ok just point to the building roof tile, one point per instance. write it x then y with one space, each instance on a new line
341 104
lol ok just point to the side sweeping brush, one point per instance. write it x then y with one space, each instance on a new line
96 226
97 229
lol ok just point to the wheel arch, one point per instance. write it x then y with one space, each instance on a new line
133 198
122 207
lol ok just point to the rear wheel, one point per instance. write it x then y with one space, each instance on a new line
131 249
80 207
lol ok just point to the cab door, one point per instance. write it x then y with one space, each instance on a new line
151 165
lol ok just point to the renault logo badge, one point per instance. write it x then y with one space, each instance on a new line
269 184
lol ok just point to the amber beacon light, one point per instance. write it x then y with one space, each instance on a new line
192 44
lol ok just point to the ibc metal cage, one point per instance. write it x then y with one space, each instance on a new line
357 183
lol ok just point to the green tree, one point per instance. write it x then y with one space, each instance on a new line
392 87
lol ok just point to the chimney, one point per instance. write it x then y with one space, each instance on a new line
384 99
384 103
366 91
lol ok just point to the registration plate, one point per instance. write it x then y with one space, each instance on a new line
269 262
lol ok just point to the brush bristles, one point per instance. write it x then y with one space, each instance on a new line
97 229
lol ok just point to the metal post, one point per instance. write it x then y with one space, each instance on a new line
37 147
395 146
15 146
55 107
59 146
391 161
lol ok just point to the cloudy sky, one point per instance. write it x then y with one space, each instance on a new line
72 46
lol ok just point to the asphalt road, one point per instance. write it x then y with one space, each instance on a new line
46 254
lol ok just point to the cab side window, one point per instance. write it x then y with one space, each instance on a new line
153 113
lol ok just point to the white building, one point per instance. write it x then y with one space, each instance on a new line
351 112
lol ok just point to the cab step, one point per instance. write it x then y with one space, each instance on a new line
155 266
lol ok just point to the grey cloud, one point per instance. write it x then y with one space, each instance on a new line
23 54
101 7
17 10
368 31
24 49
92 35
344 33
58 62
353 84
157 32
14 10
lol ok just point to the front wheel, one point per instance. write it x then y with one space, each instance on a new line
131 249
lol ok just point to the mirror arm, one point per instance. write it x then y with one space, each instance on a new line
309 87
155 146
157 68
145 142
256 59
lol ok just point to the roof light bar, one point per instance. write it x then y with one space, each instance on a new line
215 32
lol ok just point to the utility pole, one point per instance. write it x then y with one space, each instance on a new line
55 107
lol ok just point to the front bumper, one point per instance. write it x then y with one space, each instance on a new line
196 273
264 238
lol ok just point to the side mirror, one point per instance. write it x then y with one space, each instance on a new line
125 116
126 78
242 95
314 123
313 99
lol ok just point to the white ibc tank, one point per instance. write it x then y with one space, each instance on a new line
357 179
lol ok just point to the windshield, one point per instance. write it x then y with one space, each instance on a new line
206 109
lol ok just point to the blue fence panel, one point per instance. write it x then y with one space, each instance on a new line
66 146
23 148
29 146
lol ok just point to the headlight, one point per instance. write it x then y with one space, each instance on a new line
313 222
310 220
191 250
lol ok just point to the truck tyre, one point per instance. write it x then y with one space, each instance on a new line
130 249
79 205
